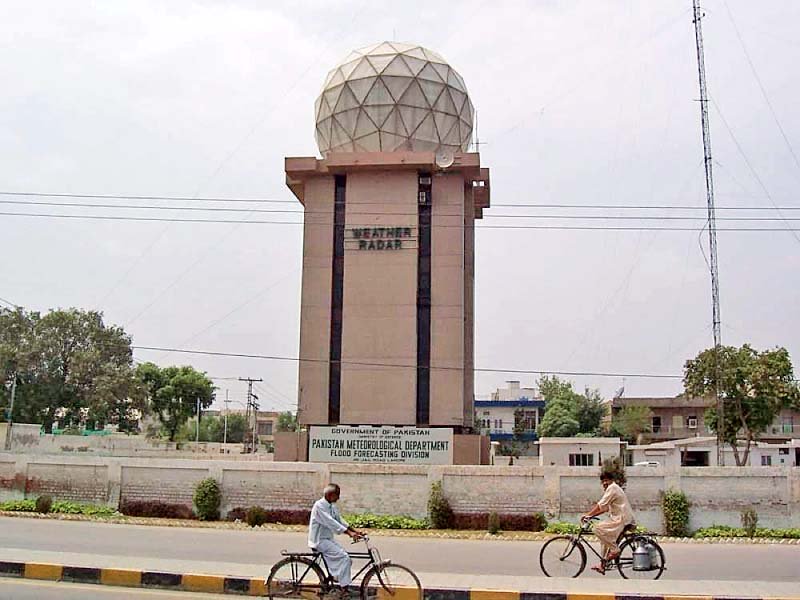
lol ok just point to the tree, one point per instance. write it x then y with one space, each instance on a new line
631 421
568 413
174 392
69 364
287 421
754 387
212 429
558 421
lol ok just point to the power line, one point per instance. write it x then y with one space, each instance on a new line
294 202
409 366
753 171
761 86
459 226
394 214
11 304
135 197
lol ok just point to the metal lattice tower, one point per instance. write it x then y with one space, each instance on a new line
712 222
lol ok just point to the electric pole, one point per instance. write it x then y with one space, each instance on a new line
712 224
225 426
11 412
250 404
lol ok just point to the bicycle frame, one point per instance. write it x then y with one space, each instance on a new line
371 556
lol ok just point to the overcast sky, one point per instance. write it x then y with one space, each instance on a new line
579 103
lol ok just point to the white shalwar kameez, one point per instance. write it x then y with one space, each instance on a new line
324 524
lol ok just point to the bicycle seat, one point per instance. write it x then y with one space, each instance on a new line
630 528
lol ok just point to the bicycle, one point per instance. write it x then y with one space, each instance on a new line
306 575
565 555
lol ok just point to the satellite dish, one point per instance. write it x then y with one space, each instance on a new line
444 159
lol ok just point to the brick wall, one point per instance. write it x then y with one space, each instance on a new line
717 494
174 485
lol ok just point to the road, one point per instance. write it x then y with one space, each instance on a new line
250 552
23 589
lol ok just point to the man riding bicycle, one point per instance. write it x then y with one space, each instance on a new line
616 504
324 524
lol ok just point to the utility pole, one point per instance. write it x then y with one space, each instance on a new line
250 404
197 425
712 224
11 412
225 426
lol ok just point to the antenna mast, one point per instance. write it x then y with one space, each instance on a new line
712 222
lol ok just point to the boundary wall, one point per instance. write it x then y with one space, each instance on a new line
717 494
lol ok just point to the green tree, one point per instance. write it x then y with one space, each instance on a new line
287 421
632 421
754 387
212 429
69 364
559 421
174 392
568 413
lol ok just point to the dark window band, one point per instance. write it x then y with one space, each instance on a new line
337 300
424 301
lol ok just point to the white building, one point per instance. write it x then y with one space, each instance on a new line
702 452
510 408
577 452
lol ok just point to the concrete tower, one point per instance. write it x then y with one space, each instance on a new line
386 329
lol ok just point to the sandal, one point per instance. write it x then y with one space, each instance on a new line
599 568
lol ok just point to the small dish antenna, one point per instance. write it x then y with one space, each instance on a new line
444 159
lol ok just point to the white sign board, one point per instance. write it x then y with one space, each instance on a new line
409 445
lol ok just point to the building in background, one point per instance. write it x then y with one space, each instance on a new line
578 452
679 417
511 417
702 452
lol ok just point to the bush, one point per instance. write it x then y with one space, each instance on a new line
19 505
44 504
563 528
283 516
67 507
724 531
207 498
156 508
440 513
508 522
256 516
616 467
749 519
236 514
539 521
494 523
368 521
676 513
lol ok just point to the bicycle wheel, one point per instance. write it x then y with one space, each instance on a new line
625 561
295 577
562 556
389 580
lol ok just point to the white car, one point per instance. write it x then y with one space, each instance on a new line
647 463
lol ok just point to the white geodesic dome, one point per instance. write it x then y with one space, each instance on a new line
393 96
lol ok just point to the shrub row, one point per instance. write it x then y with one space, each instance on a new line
256 515
724 531
155 508
504 522
45 504
368 521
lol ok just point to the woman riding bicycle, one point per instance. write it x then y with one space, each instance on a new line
615 503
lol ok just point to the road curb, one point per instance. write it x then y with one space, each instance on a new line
243 586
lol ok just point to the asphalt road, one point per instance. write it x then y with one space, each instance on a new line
252 551
13 589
